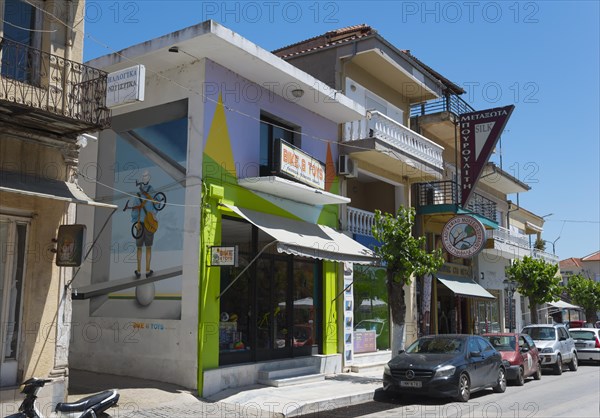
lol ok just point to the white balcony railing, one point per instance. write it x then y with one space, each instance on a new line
547 257
360 221
520 245
377 125
510 237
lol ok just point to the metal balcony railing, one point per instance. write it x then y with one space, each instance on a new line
451 103
360 221
377 125
34 78
446 193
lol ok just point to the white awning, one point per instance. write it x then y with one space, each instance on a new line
40 186
292 190
561 304
463 286
308 240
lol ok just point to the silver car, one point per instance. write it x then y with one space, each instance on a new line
555 345
587 343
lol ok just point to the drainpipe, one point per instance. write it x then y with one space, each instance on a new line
68 52
509 211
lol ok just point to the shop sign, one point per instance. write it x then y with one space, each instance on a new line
224 256
70 241
298 165
479 133
463 236
125 86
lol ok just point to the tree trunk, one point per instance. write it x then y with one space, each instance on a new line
398 308
591 316
533 312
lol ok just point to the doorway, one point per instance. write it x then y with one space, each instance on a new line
13 234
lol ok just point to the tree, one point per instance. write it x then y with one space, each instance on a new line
585 293
537 280
404 256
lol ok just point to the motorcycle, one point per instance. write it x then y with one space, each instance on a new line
91 406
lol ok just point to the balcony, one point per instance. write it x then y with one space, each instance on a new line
511 245
49 94
378 141
441 197
438 117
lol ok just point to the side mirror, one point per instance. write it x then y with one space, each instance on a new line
524 349
475 353
400 351
562 339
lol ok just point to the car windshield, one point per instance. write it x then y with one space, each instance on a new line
541 333
503 342
583 335
437 345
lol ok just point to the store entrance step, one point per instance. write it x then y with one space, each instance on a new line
288 377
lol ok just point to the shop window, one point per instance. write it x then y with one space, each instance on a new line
371 309
272 128
234 325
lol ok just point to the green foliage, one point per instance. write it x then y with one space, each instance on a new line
584 292
540 244
536 279
403 253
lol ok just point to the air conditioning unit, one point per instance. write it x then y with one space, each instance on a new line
347 167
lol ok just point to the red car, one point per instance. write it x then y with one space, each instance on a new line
519 354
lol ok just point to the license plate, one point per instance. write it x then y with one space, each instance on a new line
580 345
415 384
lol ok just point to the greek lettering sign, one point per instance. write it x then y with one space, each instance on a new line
463 236
479 133
125 86
300 166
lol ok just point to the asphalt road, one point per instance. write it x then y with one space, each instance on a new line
573 394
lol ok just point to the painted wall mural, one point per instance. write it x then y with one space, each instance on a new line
146 237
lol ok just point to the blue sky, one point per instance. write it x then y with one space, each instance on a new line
542 56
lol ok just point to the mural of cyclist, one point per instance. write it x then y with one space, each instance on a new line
143 215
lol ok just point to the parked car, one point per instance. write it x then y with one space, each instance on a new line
587 343
520 355
450 365
555 345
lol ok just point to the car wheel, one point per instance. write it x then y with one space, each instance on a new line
558 366
573 364
538 373
464 388
520 380
501 382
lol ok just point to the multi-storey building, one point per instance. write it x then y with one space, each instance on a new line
48 99
383 155
232 152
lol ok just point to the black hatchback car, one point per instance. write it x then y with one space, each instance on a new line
451 365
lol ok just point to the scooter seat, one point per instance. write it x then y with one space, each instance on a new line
103 399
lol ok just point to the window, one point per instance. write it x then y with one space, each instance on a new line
19 60
272 128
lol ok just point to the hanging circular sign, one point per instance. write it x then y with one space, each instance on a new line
463 236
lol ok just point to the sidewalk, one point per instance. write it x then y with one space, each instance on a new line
147 398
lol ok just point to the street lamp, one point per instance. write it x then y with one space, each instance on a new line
509 287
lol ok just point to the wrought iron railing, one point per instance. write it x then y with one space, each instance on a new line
51 83
378 125
446 193
451 103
